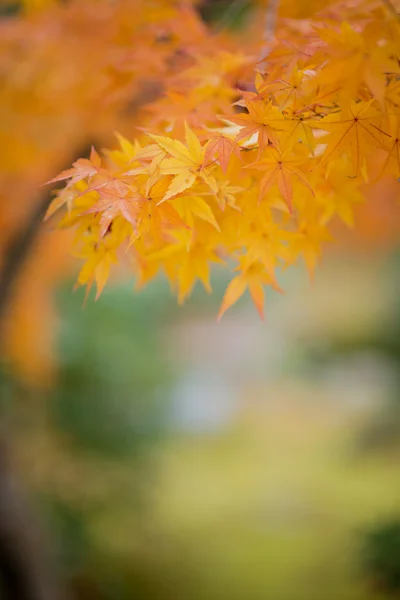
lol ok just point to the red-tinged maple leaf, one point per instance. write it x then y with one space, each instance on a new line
295 120
263 120
81 169
223 147
111 205
110 184
289 89
281 169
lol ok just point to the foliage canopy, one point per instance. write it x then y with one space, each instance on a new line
246 151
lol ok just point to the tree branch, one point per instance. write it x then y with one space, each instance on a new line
271 16
25 571
24 568
18 251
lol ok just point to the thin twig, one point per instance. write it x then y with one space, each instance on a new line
271 17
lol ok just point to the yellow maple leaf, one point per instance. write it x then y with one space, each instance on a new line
253 277
186 163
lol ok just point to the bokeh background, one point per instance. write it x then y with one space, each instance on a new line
166 457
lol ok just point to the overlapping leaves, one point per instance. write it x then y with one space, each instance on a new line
260 185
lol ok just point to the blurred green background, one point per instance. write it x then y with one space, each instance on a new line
177 458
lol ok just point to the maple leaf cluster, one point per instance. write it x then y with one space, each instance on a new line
71 73
253 173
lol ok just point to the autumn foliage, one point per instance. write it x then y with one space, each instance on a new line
257 179
233 148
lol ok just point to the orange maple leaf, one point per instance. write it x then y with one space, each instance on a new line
253 277
356 128
280 169
223 147
263 120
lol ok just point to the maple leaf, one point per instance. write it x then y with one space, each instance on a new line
356 128
127 154
307 242
298 128
290 90
391 145
392 95
115 196
226 195
195 206
266 186
253 277
187 163
263 120
81 169
64 196
289 53
195 265
99 256
112 205
354 58
223 147
192 255
156 216
266 244
280 169
337 192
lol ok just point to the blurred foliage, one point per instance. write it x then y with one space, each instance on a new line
113 380
269 506
382 556
382 431
86 444
226 13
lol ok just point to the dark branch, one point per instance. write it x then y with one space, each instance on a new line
24 569
18 251
24 566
